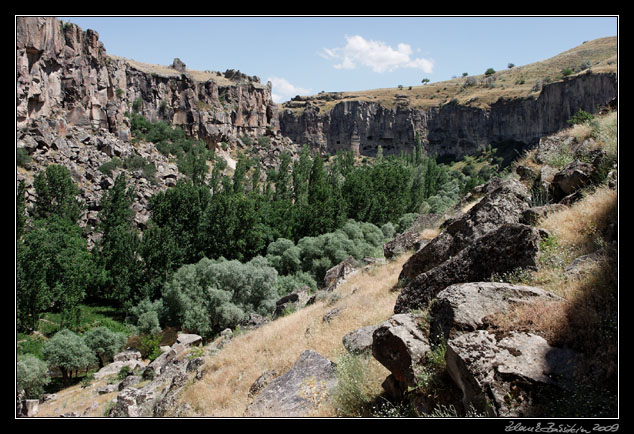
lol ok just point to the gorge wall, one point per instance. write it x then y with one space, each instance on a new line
63 73
451 130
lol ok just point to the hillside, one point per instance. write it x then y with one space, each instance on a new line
180 254
480 90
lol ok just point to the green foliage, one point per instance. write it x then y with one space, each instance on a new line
489 71
105 343
68 352
581 117
351 397
211 295
31 375
150 346
56 194
22 157
116 253
54 268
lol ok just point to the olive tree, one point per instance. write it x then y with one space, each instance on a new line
104 343
32 375
67 351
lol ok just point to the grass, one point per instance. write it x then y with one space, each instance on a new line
517 82
364 299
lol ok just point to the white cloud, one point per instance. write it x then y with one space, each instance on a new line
376 55
283 90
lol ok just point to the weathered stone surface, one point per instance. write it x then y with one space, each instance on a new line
452 130
337 274
359 341
114 368
299 391
463 307
504 204
503 376
401 244
298 298
533 215
127 355
509 247
189 340
400 346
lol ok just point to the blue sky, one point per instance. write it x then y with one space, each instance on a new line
306 55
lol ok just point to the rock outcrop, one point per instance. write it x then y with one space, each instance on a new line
451 130
298 392
63 71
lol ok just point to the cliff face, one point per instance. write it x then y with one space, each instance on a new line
451 130
64 73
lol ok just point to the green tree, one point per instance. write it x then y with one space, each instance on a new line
104 343
31 375
117 251
20 207
68 352
54 268
56 194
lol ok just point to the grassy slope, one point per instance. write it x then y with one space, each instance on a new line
516 82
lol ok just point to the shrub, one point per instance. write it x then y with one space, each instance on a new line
489 71
68 352
351 396
581 117
105 343
212 295
32 375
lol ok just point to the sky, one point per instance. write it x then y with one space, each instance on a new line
304 55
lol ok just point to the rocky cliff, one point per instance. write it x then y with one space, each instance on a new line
449 130
64 73
73 102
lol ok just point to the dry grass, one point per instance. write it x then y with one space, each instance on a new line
366 298
586 319
84 401
516 82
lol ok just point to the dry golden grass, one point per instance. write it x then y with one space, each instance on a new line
366 298
516 82
84 401
585 320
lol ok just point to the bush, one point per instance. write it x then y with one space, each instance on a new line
489 71
68 352
212 295
105 343
581 117
32 375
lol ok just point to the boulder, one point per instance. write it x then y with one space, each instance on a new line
189 340
114 368
509 247
298 392
127 355
400 345
571 178
464 307
359 341
504 375
533 215
503 204
337 274
401 244
298 298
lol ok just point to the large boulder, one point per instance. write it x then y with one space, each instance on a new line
298 392
464 307
505 375
504 203
509 247
359 341
337 274
400 345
